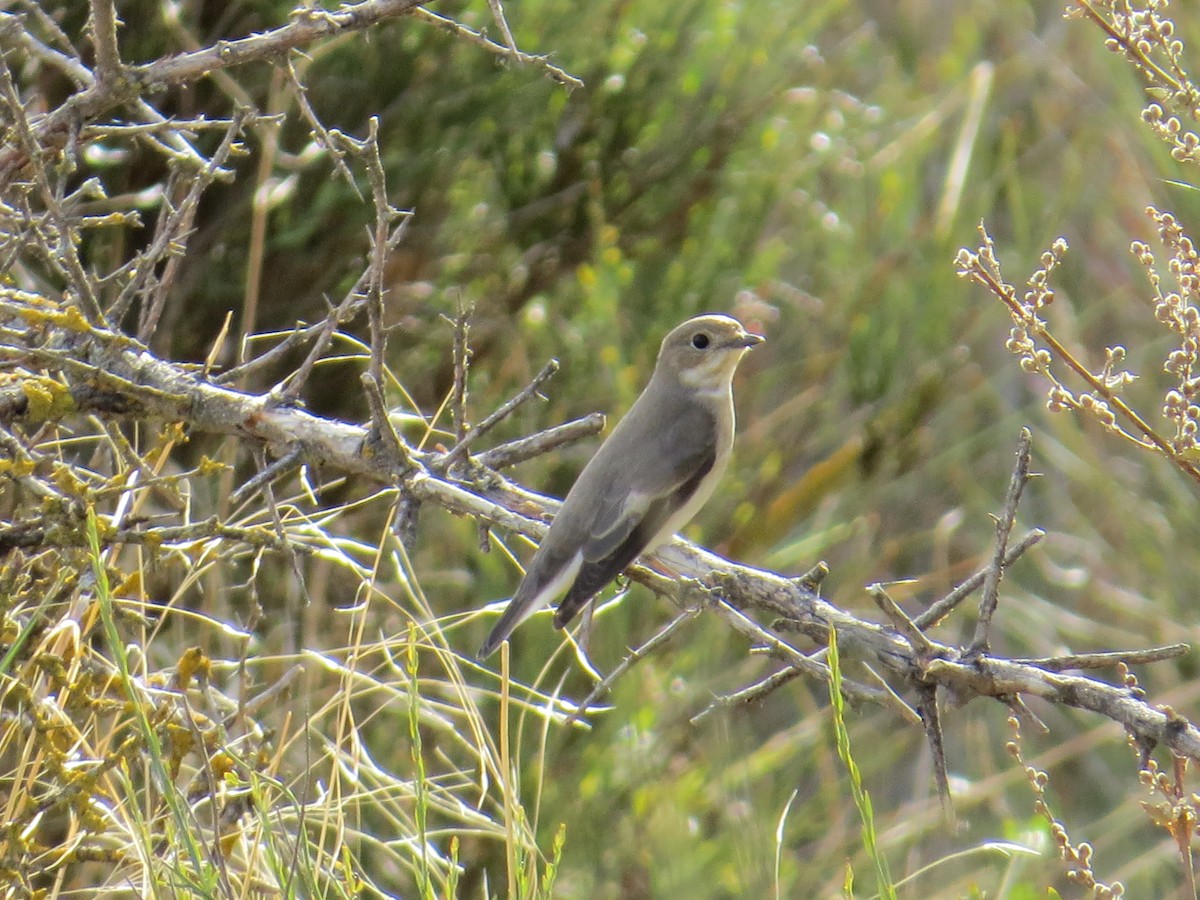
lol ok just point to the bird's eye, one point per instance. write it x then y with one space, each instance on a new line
700 341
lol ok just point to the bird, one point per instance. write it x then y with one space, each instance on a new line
658 467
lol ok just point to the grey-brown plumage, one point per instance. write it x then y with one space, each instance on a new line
657 468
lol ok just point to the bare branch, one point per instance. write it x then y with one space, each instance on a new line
497 8
461 357
921 645
502 412
509 454
103 21
751 694
170 241
1004 526
307 26
66 254
1107 660
1022 711
947 604
318 128
396 452
480 40
931 721
69 65
634 656
267 473
385 215
134 382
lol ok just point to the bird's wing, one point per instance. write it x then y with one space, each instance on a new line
546 578
589 544
667 472
624 527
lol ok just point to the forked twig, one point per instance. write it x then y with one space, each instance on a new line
1004 526
502 412
942 608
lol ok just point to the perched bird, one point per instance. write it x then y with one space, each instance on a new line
657 468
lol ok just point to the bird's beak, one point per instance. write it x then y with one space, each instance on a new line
746 341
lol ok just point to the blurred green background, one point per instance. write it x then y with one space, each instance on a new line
813 168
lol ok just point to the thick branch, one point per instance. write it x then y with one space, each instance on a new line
112 375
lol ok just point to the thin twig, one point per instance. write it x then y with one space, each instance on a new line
503 411
268 473
259 702
508 454
319 129
942 608
65 58
11 27
751 694
461 355
1021 710
1004 525
65 252
497 8
367 289
268 494
742 623
480 40
347 309
931 721
634 656
23 475
170 241
307 26
295 338
385 214
899 704
381 425
1106 659
104 38
922 647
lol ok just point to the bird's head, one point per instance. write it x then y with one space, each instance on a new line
703 352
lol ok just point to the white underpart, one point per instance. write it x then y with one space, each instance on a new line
683 515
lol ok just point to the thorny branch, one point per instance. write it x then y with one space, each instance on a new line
1004 527
470 435
513 452
135 383
104 94
104 35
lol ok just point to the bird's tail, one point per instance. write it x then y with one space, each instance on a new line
514 615
537 590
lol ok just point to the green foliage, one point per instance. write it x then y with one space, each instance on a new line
862 798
